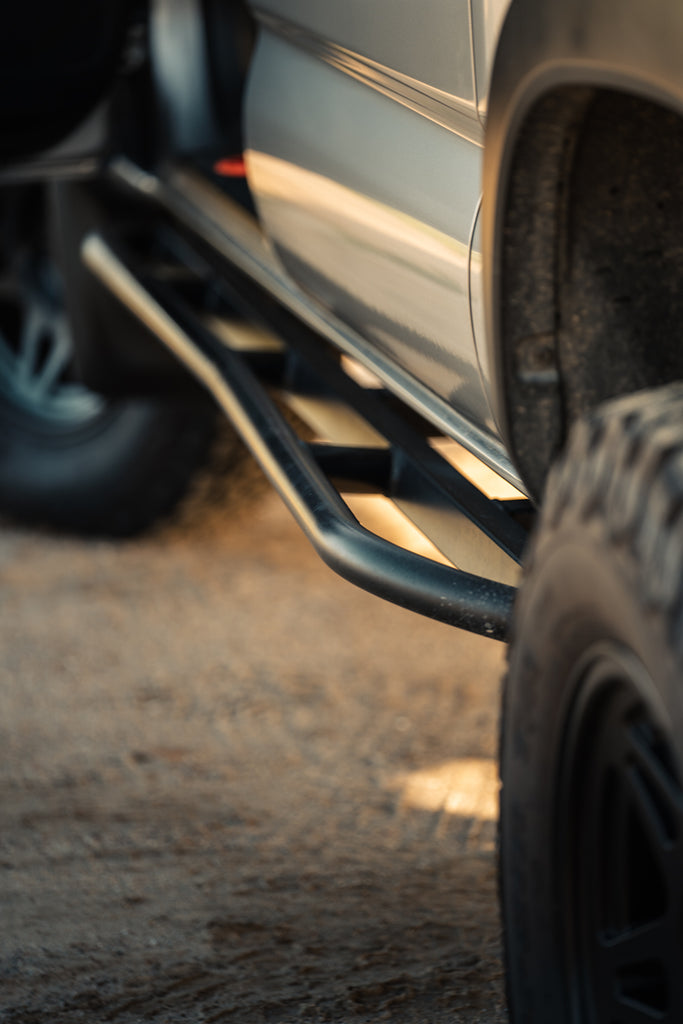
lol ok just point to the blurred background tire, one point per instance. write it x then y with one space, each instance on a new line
71 458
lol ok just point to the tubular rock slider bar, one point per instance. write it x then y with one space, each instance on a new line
297 469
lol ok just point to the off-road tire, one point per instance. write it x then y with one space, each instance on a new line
69 458
591 839
112 477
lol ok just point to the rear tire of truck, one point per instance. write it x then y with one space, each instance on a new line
591 841
70 458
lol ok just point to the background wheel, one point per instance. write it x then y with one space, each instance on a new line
592 800
70 458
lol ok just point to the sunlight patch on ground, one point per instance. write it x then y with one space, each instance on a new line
467 786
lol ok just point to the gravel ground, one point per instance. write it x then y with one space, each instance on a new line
235 788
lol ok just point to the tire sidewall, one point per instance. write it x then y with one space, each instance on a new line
112 470
113 476
581 591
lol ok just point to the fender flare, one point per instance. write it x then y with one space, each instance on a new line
625 45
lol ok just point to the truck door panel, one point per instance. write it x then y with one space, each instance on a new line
367 178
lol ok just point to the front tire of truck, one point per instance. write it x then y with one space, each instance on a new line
591 841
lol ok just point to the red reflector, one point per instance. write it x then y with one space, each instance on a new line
230 167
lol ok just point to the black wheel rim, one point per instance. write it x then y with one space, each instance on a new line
621 849
36 349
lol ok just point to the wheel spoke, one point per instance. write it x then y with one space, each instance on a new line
633 982
32 330
58 359
651 941
36 346
630 1013
658 805
613 824
662 783
649 814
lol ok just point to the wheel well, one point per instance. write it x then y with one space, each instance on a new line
592 263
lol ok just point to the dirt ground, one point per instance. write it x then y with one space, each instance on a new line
235 788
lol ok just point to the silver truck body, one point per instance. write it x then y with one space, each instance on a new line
364 150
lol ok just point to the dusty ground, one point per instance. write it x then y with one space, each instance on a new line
235 788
